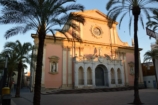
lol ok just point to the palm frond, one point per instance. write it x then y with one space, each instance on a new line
14 31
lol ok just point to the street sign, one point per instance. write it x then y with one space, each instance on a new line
151 33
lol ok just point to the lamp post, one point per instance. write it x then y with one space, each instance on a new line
5 72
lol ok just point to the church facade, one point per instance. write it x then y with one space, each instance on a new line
100 60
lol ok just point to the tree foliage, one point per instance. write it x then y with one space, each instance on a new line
42 16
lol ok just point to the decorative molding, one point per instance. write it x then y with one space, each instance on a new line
53 59
96 31
69 48
131 66
53 64
53 73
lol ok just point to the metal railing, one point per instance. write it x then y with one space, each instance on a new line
81 82
89 81
112 81
119 81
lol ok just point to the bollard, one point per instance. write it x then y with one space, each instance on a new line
5 90
6 96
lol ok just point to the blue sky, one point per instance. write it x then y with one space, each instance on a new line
123 32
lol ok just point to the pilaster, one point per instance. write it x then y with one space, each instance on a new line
85 76
64 67
93 75
116 77
69 67
76 76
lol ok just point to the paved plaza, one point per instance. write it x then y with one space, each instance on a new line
147 96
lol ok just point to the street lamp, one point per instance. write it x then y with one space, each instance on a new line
5 71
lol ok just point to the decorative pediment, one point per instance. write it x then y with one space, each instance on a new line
94 14
53 59
131 63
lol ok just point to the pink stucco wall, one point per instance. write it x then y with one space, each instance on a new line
129 58
53 80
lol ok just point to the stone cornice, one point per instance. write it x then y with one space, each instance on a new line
89 42
48 37
98 59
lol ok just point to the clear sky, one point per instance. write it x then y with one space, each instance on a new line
123 32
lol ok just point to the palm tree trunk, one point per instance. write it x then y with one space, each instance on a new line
136 60
31 70
22 82
10 79
18 80
38 75
155 73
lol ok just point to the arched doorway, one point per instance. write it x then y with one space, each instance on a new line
101 76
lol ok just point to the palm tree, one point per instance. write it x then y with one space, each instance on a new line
18 56
22 54
134 9
12 63
152 55
154 22
41 16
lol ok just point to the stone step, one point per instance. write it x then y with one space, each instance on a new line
78 91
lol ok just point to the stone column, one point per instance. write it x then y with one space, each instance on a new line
111 35
81 30
115 34
93 75
77 51
76 75
64 67
85 75
81 51
116 77
69 67
122 75
109 77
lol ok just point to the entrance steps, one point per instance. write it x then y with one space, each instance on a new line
78 91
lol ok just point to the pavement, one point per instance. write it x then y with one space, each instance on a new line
147 96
